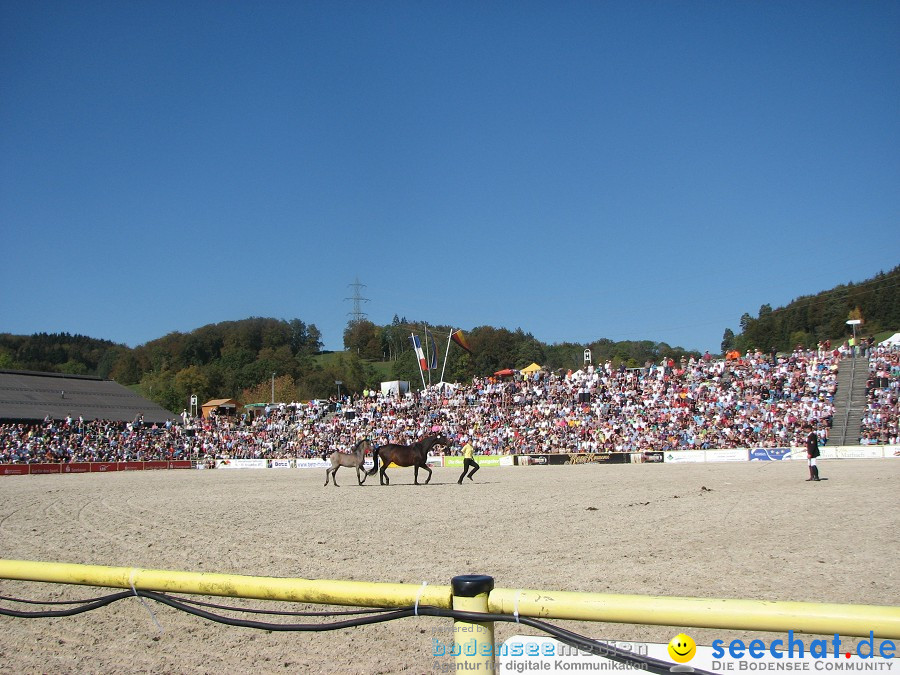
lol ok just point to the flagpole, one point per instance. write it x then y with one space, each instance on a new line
427 355
446 354
412 336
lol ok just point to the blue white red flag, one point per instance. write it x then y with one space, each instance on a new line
417 345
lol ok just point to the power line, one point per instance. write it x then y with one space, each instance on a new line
357 314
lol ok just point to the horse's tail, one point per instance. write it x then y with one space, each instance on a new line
324 455
374 469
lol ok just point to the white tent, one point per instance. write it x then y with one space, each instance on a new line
892 341
394 388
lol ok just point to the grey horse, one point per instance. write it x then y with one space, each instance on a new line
355 458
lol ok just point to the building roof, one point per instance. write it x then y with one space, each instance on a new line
27 395
220 403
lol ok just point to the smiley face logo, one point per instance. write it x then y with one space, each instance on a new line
682 648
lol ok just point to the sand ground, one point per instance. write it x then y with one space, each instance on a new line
757 531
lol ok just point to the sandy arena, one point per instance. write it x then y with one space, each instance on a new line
757 531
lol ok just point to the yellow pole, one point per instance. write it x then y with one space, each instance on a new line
473 643
756 615
319 591
731 614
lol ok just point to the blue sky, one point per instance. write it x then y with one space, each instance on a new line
580 170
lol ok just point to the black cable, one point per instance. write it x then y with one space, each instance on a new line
580 642
46 602
83 607
190 601
252 610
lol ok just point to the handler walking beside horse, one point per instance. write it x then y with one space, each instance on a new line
468 453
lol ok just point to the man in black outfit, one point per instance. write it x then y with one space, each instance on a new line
812 451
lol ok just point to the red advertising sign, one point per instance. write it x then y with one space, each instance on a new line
43 468
93 467
13 469
76 467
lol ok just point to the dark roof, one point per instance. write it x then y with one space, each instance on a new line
26 395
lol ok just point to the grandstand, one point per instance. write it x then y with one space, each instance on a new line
753 401
27 396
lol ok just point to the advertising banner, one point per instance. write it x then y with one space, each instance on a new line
43 468
527 653
599 458
91 467
825 452
799 454
685 457
769 454
241 463
653 457
483 460
859 452
311 463
892 451
13 469
543 460
727 455
281 464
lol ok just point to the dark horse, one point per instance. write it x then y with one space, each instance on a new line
355 457
415 455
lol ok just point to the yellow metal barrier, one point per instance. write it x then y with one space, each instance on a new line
476 593
321 591
757 615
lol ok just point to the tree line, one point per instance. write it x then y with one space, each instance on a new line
253 359
812 319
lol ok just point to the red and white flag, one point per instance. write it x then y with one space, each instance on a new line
417 345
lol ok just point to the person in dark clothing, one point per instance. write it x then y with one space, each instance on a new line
812 452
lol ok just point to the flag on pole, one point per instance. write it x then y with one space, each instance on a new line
460 339
432 365
417 345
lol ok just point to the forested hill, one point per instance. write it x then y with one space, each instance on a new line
246 359
814 318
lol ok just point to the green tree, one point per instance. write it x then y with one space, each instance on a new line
189 381
285 391
361 337
727 341
160 388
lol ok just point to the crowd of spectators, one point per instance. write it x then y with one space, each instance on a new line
880 425
756 400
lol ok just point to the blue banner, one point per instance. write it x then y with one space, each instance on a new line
766 454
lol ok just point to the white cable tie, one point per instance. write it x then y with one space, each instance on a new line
419 597
516 605
134 590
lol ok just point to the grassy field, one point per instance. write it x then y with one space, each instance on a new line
383 368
